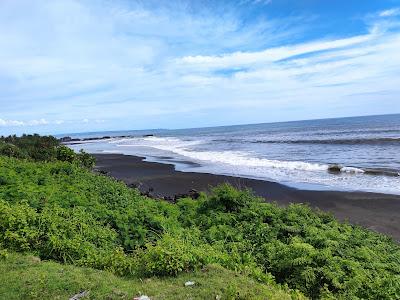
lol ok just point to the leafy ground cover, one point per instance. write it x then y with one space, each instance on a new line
62 212
27 277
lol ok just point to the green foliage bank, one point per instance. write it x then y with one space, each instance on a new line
61 211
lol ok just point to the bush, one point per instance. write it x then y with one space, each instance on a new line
3 254
168 256
65 154
228 199
85 159
179 252
71 235
18 227
36 147
11 150
115 261
43 148
82 158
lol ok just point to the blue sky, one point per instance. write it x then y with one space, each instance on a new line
74 66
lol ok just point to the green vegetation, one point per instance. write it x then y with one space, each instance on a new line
34 146
42 148
61 211
27 277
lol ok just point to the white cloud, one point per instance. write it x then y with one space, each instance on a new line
262 2
62 54
390 12
265 2
10 123
240 59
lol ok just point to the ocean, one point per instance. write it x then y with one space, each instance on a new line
352 154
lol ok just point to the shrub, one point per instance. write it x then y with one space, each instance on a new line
71 235
168 256
65 154
62 169
85 159
3 254
179 252
228 199
115 261
36 147
11 150
43 148
18 226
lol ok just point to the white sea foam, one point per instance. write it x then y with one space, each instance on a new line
235 158
351 170
246 163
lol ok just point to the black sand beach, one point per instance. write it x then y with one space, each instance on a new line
379 212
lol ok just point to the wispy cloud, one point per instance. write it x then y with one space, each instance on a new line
12 123
86 65
44 122
390 12
262 2
270 55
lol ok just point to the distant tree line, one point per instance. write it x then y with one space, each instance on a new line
42 148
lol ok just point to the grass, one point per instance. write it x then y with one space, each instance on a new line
27 277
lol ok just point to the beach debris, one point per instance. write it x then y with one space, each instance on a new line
189 283
142 297
79 295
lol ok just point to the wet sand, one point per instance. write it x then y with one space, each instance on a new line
379 212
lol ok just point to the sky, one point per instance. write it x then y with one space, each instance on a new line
77 66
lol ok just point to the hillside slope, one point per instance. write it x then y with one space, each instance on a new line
62 212
27 277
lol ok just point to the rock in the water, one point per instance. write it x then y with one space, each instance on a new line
65 139
335 168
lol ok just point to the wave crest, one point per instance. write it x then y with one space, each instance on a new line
357 141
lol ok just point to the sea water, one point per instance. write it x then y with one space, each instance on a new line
357 153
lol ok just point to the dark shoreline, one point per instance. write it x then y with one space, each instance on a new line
378 212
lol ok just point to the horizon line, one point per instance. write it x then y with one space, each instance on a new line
221 126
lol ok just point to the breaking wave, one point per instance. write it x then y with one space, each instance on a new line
241 158
355 141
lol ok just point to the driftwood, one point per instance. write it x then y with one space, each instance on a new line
79 295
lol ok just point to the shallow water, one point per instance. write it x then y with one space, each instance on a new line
364 150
